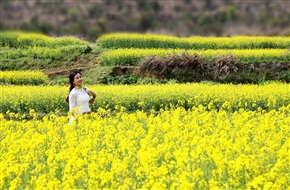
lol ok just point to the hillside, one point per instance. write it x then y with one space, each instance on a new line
139 58
90 19
167 112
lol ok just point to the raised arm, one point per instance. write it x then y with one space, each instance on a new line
93 94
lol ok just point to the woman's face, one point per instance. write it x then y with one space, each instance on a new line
78 81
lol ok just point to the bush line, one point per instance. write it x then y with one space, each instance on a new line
23 77
135 40
134 56
270 96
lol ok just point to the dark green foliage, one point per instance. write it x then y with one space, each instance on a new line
207 17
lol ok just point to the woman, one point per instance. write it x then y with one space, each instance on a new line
79 97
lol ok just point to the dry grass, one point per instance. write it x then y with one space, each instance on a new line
192 68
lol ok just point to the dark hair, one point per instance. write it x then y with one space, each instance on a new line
72 77
71 81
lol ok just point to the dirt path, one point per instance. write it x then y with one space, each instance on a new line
79 65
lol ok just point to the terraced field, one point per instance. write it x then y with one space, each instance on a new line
203 135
